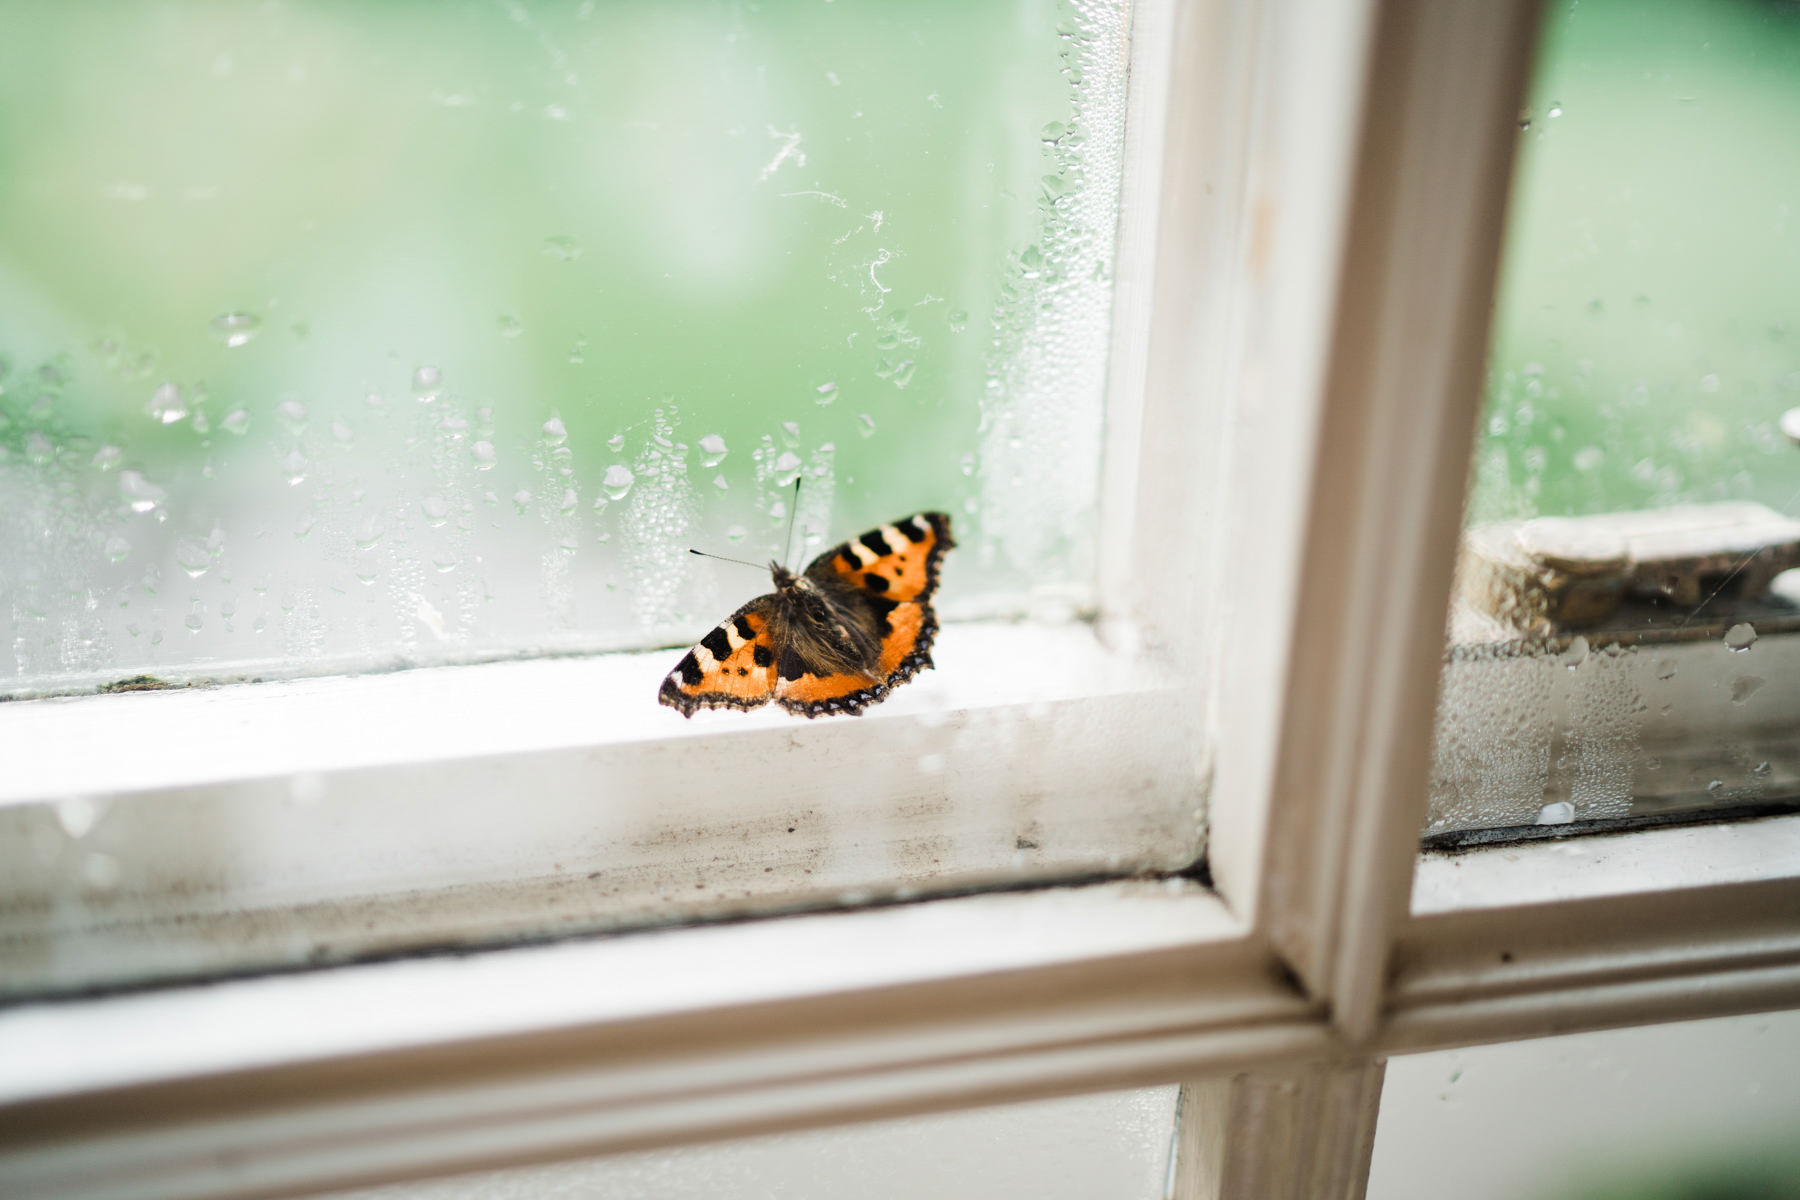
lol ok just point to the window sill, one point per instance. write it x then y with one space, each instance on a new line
348 818
1585 933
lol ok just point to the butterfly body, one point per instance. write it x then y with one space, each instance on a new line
832 639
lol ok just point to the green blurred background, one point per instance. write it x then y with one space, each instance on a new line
1647 331
417 327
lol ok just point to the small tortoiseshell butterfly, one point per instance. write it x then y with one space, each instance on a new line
855 624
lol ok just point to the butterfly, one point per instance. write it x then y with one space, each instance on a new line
832 639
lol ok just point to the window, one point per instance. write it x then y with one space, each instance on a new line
1664 1110
340 340
350 339
1310 216
1622 633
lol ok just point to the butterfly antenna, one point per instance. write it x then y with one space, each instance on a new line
787 549
740 562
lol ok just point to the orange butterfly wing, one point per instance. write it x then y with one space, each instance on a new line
896 567
732 667
819 695
896 562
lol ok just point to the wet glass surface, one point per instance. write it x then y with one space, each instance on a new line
1624 641
335 335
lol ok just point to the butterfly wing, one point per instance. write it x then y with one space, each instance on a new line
732 667
817 693
896 562
887 578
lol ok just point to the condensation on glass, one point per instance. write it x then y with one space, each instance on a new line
1625 634
335 336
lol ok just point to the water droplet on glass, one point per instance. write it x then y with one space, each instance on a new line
1559 813
196 618
427 384
293 467
235 328
108 458
616 442
827 392
1761 768
102 872
167 404
562 248
237 422
555 432
342 432
713 450
483 454
1589 457
142 495
1576 654
1744 687
117 548
865 424
436 510
1715 786
719 482
1740 637
509 325
521 499
958 320
786 467
192 557
292 415
79 814
1665 668
1790 424
368 532
617 481
903 373
1555 109
1053 132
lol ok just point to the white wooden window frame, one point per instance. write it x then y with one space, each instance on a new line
1312 213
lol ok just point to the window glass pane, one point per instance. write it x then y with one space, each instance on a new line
336 334
1114 1145
1701 1109
1623 640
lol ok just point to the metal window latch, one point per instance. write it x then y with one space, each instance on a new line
1660 574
